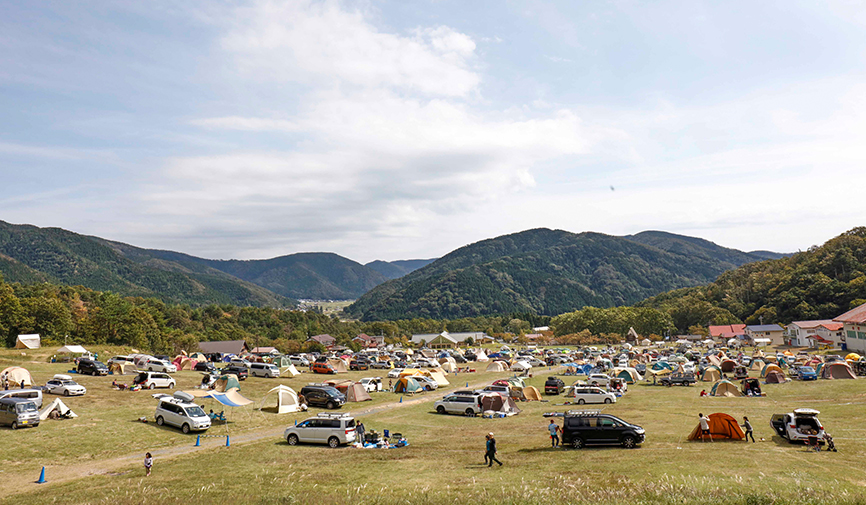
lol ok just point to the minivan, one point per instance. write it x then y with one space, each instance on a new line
322 395
180 412
150 380
18 413
264 370
31 394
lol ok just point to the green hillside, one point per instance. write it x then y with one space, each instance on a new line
820 283
30 254
548 272
399 268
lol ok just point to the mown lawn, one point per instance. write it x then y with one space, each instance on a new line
444 460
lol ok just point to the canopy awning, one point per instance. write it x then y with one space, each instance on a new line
230 398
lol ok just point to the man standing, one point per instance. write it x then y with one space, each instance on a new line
491 450
705 427
554 433
359 431
748 426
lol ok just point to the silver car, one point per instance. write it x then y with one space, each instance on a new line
325 428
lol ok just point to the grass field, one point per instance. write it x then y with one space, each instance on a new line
97 457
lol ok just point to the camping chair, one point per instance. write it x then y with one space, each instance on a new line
813 443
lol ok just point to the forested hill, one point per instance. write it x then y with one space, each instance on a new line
820 283
399 268
29 254
549 272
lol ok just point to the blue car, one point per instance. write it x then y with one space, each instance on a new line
806 373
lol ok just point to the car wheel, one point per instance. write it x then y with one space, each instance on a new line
160 421
578 443
94 373
171 385
152 385
330 405
150 369
292 439
595 383
66 393
440 409
629 442
333 442
14 425
581 401
184 428
607 400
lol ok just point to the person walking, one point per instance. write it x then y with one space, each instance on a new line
748 426
491 450
705 427
148 464
486 455
553 428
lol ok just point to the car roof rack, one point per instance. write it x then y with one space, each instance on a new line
572 413
334 415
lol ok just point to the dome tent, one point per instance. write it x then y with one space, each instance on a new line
287 399
722 427
725 388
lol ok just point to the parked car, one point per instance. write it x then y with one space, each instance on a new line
240 362
582 428
798 426
119 359
372 384
598 379
592 394
32 394
469 404
64 385
806 373
383 365
180 411
150 380
322 395
240 371
91 367
158 365
205 366
299 361
18 413
264 370
426 382
322 367
553 386
325 428
678 379
395 372
359 364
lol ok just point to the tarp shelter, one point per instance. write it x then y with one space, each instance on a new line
409 372
499 404
497 366
837 370
438 376
125 368
60 407
407 385
230 398
289 371
357 393
531 394
34 342
775 377
771 368
722 427
711 374
724 388
226 382
15 377
338 364
72 349
756 365
287 399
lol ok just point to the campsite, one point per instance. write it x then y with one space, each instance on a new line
97 456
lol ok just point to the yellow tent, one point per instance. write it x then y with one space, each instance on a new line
852 356
757 365
771 368
531 394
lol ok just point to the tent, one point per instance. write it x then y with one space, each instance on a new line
498 403
521 366
338 364
357 393
437 376
287 399
646 342
407 385
724 388
711 374
659 365
72 349
407 372
722 427
125 368
775 377
15 376
771 368
60 407
629 375
480 356
449 367
531 394
289 371
198 356
34 342
226 382
714 360
756 365
728 365
852 356
836 370
184 363
497 366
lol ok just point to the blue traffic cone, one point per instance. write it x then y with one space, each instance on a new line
467 384
41 477
198 441
228 444
401 400
296 422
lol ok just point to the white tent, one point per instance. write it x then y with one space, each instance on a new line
287 399
521 366
497 366
289 371
28 342
59 406
646 342
72 349
480 356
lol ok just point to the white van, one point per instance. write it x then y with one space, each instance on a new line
150 380
264 370
180 412
31 394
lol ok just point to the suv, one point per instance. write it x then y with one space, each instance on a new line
158 365
325 428
150 380
92 367
797 426
678 378
383 364
598 379
469 404
582 428
264 370
592 394
299 361
553 386
240 371
179 411
359 364
322 395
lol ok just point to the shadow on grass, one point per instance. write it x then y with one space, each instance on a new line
166 427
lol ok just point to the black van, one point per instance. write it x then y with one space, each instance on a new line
591 427
322 395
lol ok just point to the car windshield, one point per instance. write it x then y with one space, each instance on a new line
195 411
25 407
806 369
69 383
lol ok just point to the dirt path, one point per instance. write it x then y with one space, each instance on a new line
24 481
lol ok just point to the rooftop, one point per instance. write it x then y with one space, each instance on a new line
856 315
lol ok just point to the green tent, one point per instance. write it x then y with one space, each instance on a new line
407 385
226 382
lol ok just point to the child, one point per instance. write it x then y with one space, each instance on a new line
148 463
829 440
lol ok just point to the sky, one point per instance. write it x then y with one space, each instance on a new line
395 130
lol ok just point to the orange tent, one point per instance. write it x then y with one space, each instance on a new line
722 427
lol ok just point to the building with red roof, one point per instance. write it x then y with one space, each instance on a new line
854 328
